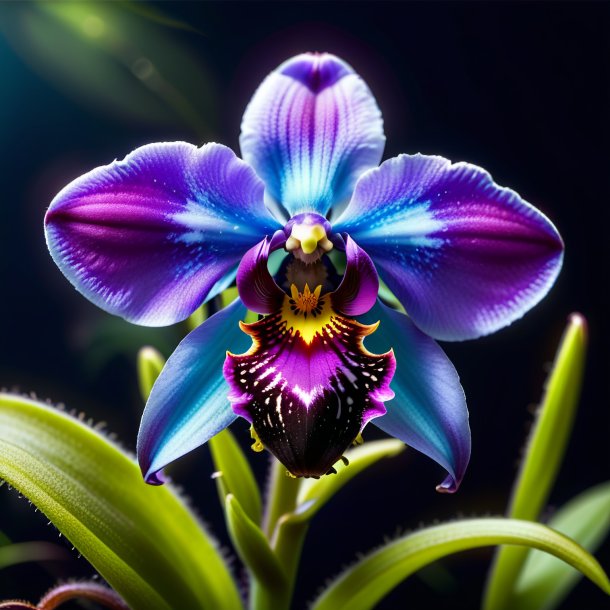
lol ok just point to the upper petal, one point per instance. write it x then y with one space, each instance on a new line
148 238
429 411
465 256
188 404
310 130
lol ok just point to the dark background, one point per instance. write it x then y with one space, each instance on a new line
519 88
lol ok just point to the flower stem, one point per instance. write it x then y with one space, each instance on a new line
286 537
281 497
288 544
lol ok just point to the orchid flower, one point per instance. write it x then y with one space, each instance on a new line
152 237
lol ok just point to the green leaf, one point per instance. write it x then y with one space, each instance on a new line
314 493
545 450
197 318
108 338
113 60
281 498
389 297
363 585
253 546
143 540
293 504
228 295
150 362
545 581
21 552
237 477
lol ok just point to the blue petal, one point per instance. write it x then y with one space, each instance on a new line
464 255
153 236
311 129
429 410
188 404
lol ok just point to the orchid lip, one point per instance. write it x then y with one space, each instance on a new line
308 385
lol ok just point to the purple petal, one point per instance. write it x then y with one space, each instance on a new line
257 289
429 411
311 129
308 385
357 292
150 237
188 404
465 256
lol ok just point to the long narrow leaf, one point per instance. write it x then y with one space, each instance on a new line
545 581
253 546
545 450
21 552
237 475
150 363
363 585
142 539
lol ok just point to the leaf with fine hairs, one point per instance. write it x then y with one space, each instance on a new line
545 449
143 540
253 546
237 476
545 581
368 581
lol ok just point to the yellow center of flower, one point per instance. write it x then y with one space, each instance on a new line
308 239
305 302
306 312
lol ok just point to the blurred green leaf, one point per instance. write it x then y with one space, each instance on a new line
228 295
364 584
153 14
545 449
237 477
389 297
112 59
150 363
198 317
253 547
545 581
143 540
314 493
21 552
108 337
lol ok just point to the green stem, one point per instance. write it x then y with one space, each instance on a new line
286 537
287 545
281 497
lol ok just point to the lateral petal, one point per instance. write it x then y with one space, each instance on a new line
429 410
464 255
150 237
188 403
